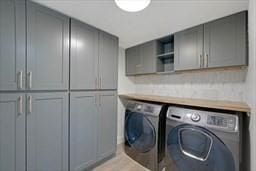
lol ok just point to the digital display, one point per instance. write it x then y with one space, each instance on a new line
217 121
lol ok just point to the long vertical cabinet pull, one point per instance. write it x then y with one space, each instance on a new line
29 80
29 100
20 79
201 61
206 60
100 84
20 105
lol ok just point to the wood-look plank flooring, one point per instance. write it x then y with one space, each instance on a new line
121 162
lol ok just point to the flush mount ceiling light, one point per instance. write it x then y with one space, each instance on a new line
132 5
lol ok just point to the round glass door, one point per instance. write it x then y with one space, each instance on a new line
194 148
140 132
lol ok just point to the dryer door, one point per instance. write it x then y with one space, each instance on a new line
139 132
193 148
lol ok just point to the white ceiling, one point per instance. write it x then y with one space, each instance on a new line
162 17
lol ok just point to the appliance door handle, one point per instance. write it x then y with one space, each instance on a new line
20 79
188 153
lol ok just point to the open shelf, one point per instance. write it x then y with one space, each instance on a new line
165 54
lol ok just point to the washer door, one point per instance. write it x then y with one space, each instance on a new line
140 132
194 148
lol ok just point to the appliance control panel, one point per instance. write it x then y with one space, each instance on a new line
215 120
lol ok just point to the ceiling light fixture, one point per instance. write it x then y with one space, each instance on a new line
132 5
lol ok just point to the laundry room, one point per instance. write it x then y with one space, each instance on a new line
127 85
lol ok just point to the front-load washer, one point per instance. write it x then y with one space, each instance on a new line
145 133
201 140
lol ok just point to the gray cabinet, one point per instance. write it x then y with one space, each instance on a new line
47 131
225 41
12 44
108 61
188 48
84 56
133 60
47 48
107 123
93 128
83 130
220 43
12 132
94 58
141 59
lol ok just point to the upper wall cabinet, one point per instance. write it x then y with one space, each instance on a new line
12 44
94 56
84 56
47 48
108 61
188 48
141 59
225 41
221 43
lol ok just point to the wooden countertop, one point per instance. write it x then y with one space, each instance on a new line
223 105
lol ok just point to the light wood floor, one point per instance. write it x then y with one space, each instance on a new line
121 162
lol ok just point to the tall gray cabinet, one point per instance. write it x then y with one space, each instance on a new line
37 91
93 99
12 44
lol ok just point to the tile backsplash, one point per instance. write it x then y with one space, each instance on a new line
214 85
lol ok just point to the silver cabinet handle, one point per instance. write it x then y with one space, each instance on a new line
20 79
96 83
206 60
200 60
29 104
100 83
20 105
29 80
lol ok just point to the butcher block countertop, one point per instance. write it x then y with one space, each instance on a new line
223 105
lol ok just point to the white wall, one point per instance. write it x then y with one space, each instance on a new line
125 85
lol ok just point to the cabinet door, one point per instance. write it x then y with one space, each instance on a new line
84 56
47 131
148 55
188 48
83 130
12 132
47 48
108 61
107 123
133 60
225 41
12 44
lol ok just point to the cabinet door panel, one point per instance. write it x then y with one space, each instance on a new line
225 41
107 122
84 56
108 61
83 130
47 48
12 44
188 46
148 55
47 132
12 132
133 60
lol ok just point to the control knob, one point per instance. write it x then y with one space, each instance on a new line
195 117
